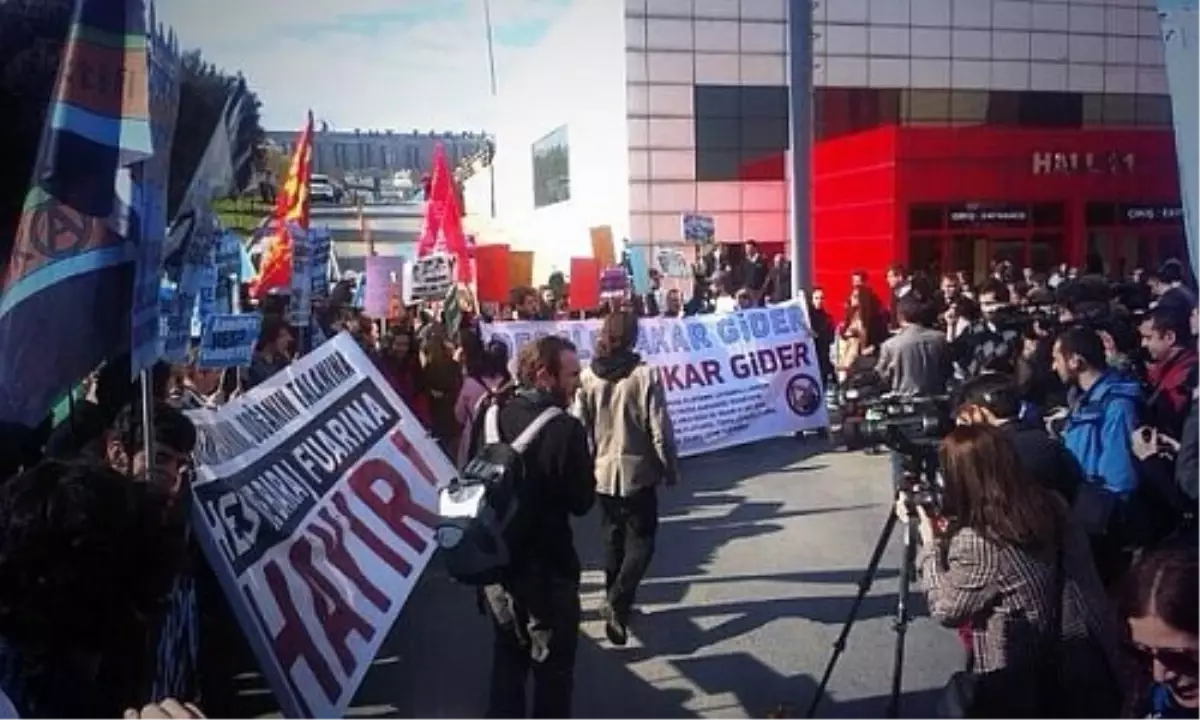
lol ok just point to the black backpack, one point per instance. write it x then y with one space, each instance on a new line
480 509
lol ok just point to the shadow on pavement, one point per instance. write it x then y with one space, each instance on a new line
436 660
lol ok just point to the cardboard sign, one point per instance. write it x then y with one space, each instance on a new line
229 254
382 293
313 503
432 277
321 248
492 268
698 229
614 282
228 340
672 263
520 270
639 268
300 305
603 250
585 284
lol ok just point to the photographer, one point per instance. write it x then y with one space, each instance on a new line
996 339
994 399
1002 558
916 359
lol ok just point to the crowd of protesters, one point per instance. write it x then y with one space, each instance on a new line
1069 483
107 607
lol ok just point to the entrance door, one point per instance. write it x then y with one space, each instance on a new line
1123 249
984 251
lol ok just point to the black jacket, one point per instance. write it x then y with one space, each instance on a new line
1045 459
560 482
1187 468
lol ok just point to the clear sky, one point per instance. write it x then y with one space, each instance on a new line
369 64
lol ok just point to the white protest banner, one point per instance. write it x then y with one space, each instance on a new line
698 228
431 278
313 501
672 263
730 379
228 340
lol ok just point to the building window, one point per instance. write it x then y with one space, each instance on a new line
926 107
551 168
844 111
1051 109
741 132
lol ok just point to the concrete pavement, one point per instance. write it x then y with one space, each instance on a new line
759 554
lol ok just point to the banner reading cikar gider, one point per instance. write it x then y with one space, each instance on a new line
730 379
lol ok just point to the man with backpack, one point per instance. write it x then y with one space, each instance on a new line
532 471
623 405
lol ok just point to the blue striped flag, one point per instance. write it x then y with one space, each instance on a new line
65 297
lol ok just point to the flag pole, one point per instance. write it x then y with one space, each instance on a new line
491 51
800 116
147 387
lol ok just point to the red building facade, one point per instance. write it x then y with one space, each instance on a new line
957 198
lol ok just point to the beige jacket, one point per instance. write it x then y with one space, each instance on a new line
629 429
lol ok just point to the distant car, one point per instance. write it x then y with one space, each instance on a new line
321 190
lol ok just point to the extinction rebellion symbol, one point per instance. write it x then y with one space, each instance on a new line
803 395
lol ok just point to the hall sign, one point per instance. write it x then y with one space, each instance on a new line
1085 163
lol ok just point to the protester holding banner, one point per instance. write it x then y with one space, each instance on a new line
623 406
536 612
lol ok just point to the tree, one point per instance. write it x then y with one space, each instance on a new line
33 35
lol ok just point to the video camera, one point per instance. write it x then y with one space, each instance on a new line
897 420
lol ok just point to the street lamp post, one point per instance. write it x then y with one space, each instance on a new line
800 97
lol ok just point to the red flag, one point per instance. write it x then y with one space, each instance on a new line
292 206
442 230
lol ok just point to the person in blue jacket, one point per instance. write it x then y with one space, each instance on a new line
1098 432
1100 425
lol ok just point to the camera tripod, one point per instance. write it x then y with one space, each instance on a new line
899 624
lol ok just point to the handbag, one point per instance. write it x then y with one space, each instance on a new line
961 697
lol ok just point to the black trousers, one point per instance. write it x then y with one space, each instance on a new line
535 619
630 525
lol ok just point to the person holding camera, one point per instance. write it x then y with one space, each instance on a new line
997 338
995 399
1002 556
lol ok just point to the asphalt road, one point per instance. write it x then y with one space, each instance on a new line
759 555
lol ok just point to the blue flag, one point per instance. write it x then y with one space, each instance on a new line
66 293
